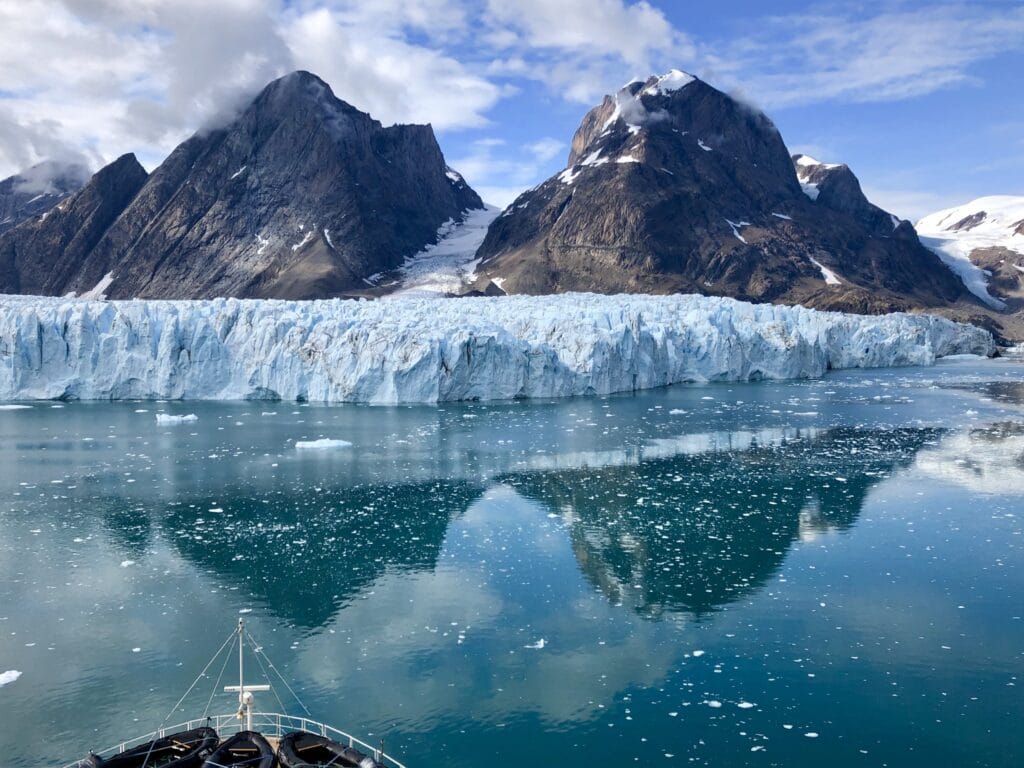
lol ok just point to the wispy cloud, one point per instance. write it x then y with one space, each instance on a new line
813 58
606 43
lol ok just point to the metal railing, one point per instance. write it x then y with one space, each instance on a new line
268 723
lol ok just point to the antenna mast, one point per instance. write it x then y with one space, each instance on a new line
245 697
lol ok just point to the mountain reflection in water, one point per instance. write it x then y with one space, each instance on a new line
691 533
702 524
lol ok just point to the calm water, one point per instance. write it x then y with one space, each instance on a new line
825 572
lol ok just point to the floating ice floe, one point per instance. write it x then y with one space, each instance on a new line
165 419
322 444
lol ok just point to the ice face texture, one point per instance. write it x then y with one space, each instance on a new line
430 350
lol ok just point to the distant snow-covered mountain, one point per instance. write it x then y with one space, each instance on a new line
983 243
36 190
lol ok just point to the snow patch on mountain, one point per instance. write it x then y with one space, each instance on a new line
429 350
568 176
445 267
806 161
988 222
811 190
736 227
99 291
805 165
594 159
671 81
830 277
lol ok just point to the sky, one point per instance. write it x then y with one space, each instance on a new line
921 99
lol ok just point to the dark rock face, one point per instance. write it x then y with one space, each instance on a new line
46 255
35 191
835 187
673 186
300 196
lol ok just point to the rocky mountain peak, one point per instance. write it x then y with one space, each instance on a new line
50 254
302 94
674 186
299 195
665 117
834 185
36 190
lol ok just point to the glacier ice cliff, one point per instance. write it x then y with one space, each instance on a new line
430 350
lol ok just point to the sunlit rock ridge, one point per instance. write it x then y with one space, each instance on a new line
424 350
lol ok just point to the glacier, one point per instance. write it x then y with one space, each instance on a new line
426 350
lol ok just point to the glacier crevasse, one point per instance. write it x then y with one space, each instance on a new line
430 350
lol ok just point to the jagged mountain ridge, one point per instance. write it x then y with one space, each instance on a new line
33 192
300 196
673 186
45 255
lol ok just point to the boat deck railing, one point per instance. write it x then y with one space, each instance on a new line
268 723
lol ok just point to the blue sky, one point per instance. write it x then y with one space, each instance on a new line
921 99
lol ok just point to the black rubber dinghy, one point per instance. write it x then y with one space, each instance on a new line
246 748
301 749
186 749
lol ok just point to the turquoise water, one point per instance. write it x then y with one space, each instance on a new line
758 574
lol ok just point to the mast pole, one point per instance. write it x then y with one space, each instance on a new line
244 702
245 697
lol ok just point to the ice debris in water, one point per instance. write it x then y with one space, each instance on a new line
9 676
470 349
321 444
166 419
538 645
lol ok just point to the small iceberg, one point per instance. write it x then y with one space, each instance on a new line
166 419
9 677
322 444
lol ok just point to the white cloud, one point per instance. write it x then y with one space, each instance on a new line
393 80
598 27
606 42
111 76
104 77
546 149
813 58
500 172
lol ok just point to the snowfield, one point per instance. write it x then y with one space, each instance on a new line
430 350
988 222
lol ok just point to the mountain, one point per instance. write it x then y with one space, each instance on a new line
674 186
983 242
33 192
299 196
46 255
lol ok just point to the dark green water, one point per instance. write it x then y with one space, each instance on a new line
797 574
